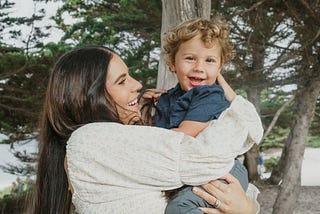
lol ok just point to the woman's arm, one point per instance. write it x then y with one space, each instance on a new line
129 156
150 157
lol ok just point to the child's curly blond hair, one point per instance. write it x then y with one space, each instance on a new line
210 30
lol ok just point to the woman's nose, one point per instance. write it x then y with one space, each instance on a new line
136 85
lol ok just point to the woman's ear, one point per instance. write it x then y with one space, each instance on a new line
171 63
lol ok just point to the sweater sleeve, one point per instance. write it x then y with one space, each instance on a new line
111 160
240 120
236 130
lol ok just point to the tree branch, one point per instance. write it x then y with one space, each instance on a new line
276 116
310 11
12 89
20 110
249 9
12 73
13 98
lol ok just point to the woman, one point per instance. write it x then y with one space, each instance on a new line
89 127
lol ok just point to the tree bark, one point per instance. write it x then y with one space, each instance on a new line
251 163
174 12
251 157
292 155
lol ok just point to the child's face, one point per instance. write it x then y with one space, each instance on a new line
195 64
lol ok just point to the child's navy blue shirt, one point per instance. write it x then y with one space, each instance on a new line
201 103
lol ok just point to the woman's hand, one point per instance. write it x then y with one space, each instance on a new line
233 200
228 91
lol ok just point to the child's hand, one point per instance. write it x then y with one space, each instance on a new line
150 94
228 91
153 93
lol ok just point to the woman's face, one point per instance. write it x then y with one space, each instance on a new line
123 89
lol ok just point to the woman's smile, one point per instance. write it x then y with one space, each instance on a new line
133 103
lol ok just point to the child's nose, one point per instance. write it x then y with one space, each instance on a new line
198 67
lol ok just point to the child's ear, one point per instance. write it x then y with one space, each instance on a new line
221 64
171 63
221 67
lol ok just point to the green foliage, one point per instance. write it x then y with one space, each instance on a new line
313 141
24 81
131 28
141 65
11 27
102 22
276 138
270 163
315 125
5 191
13 201
5 141
16 204
4 19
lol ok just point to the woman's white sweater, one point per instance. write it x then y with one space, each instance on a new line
116 168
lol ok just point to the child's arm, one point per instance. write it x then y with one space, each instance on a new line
229 93
191 128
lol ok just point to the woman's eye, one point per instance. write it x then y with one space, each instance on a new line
122 81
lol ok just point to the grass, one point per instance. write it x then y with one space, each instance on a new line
277 138
313 142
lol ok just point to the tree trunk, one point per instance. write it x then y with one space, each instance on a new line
291 159
308 91
251 157
251 163
174 12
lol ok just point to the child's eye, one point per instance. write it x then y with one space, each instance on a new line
189 58
210 60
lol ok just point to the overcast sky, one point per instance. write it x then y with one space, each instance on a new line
25 8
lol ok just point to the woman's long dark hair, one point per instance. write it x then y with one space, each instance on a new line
75 96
